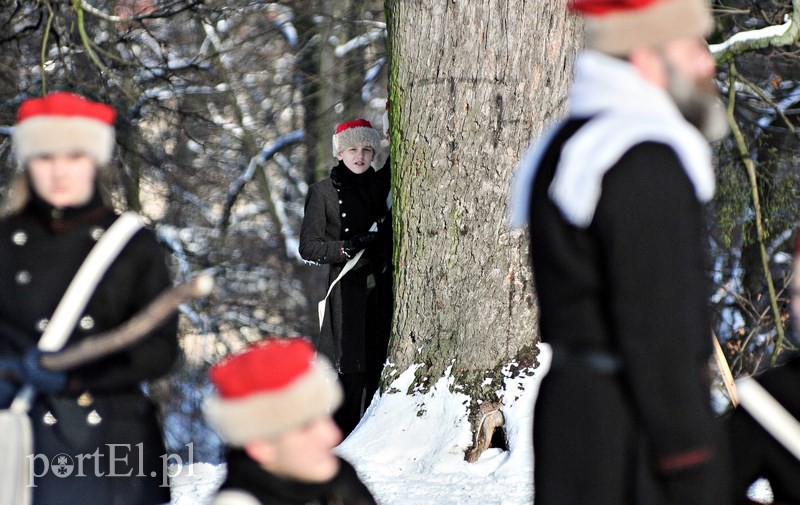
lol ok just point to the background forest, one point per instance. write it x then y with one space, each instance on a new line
226 111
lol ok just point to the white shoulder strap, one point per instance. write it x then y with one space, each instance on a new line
347 267
85 281
81 288
770 414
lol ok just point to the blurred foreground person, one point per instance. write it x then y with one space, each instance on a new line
756 452
614 199
273 410
97 437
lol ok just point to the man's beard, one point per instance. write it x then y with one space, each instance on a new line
699 103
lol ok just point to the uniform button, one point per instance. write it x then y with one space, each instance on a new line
87 323
340 201
23 277
94 418
96 232
347 229
49 419
41 324
344 214
19 237
57 214
85 399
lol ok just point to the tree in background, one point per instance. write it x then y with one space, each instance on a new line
465 104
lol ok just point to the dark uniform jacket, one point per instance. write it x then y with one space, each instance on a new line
41 250
756 453
623 305
246 475
336 209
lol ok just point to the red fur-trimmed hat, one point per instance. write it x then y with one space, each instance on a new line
61 123
617 26
358 132
270 387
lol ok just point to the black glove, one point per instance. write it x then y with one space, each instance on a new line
358 242
45 381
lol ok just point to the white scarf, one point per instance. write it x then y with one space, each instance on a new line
627 110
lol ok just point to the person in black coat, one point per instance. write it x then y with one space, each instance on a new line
97 437
272 409
756 452
613 198
344 214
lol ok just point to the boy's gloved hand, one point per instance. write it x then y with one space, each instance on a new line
358 242
45 381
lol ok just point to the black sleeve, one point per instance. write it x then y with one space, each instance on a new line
155 355
314 244
651 226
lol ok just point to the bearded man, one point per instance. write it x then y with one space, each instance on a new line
613 196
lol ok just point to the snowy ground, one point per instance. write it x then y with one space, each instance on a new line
419 460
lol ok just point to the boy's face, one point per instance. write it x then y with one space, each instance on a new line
357 158
63 180
302 454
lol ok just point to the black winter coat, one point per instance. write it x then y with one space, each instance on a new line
756 453
631 285
41 250
336 209
246 475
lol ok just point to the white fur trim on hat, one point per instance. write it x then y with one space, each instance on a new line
42 135
264 415
618 33
357 136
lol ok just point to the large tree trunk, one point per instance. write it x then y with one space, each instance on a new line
470 84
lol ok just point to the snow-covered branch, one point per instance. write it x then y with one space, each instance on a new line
360 41
771 36
98 13
236 186
282 17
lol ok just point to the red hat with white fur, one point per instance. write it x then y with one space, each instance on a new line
61 123
270 387
617 26
358 132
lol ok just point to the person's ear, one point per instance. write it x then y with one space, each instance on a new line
261 451
649 64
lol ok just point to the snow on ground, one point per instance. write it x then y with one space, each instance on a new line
419 459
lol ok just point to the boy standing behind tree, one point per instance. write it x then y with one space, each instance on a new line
345 213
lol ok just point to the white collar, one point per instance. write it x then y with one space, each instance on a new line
626 110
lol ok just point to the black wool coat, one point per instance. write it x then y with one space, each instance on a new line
247 476
41 250
336 209
632 285
756 453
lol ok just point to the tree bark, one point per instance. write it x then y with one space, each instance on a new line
470 84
